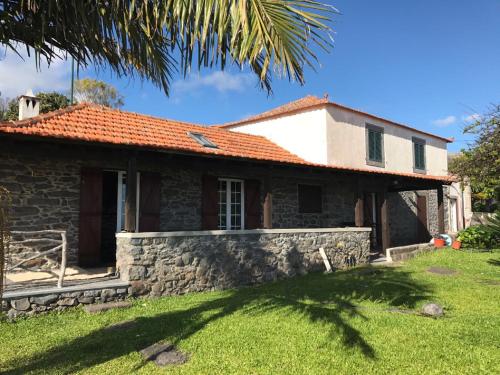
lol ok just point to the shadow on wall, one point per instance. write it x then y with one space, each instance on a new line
405 227
329 300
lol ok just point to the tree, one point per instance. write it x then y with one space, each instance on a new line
49 101
98 92
480 162
156 38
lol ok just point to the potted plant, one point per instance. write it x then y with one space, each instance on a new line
439 242
456 245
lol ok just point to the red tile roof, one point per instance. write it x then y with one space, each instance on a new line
98 124
92 123
312 102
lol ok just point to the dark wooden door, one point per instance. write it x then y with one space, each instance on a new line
422 228
210 203
89 246
252 204
372 218
149 202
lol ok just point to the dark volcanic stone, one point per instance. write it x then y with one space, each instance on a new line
152 351
171 357
107 306
163 354
432 309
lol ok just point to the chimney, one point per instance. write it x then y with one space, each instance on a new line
29 105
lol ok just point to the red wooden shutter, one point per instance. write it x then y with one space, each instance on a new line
252 204
149 202
89 244
210 203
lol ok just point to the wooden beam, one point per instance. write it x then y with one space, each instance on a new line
440 201
359 209
131 196
384 219
268 201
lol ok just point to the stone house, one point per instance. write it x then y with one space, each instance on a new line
271 182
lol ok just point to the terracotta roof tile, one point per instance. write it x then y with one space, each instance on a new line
312 102
98 124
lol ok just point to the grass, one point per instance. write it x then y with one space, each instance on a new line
339 323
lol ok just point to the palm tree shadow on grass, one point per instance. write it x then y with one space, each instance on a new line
319 298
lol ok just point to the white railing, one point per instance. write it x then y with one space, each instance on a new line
60 245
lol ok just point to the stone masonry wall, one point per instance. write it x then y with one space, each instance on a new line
177 263
45 195
403 215
59 301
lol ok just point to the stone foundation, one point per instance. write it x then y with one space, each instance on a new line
397 254
28 304
179 262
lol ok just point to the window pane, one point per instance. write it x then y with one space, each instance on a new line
374 145
222 204
378 146
371 145
419 151
235 205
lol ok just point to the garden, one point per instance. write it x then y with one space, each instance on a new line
361 320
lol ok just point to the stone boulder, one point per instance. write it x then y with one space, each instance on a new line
433 310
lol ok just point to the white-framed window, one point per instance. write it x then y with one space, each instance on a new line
231 204
122 193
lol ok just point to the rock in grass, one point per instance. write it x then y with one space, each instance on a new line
163 354
151 352
107 306
433 310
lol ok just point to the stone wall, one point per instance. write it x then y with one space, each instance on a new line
403 215
53 300
181 262
45 195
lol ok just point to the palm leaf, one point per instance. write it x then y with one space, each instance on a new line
154 39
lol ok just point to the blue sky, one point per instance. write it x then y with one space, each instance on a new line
428 64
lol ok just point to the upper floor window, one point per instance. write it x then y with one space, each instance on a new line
310 199
374 145
418 154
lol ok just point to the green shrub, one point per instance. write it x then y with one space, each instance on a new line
493 225
479 237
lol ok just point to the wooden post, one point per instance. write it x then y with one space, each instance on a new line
359 209
131 196
268 202
384 213
64 260
440 201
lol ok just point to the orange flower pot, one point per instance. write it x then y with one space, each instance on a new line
456 245
439 242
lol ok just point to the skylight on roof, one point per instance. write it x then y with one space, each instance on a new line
202 140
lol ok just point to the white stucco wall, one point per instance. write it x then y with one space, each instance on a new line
303 134
346 144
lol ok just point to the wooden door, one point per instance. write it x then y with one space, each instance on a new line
252 204
422 229
372 218
89 246
210 203
149 202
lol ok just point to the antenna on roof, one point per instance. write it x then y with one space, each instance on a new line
326 95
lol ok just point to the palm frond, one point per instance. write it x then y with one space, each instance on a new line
156 38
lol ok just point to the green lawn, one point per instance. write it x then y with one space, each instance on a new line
339 323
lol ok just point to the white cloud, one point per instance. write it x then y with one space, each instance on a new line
18 75
471 118
220 81
444 122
